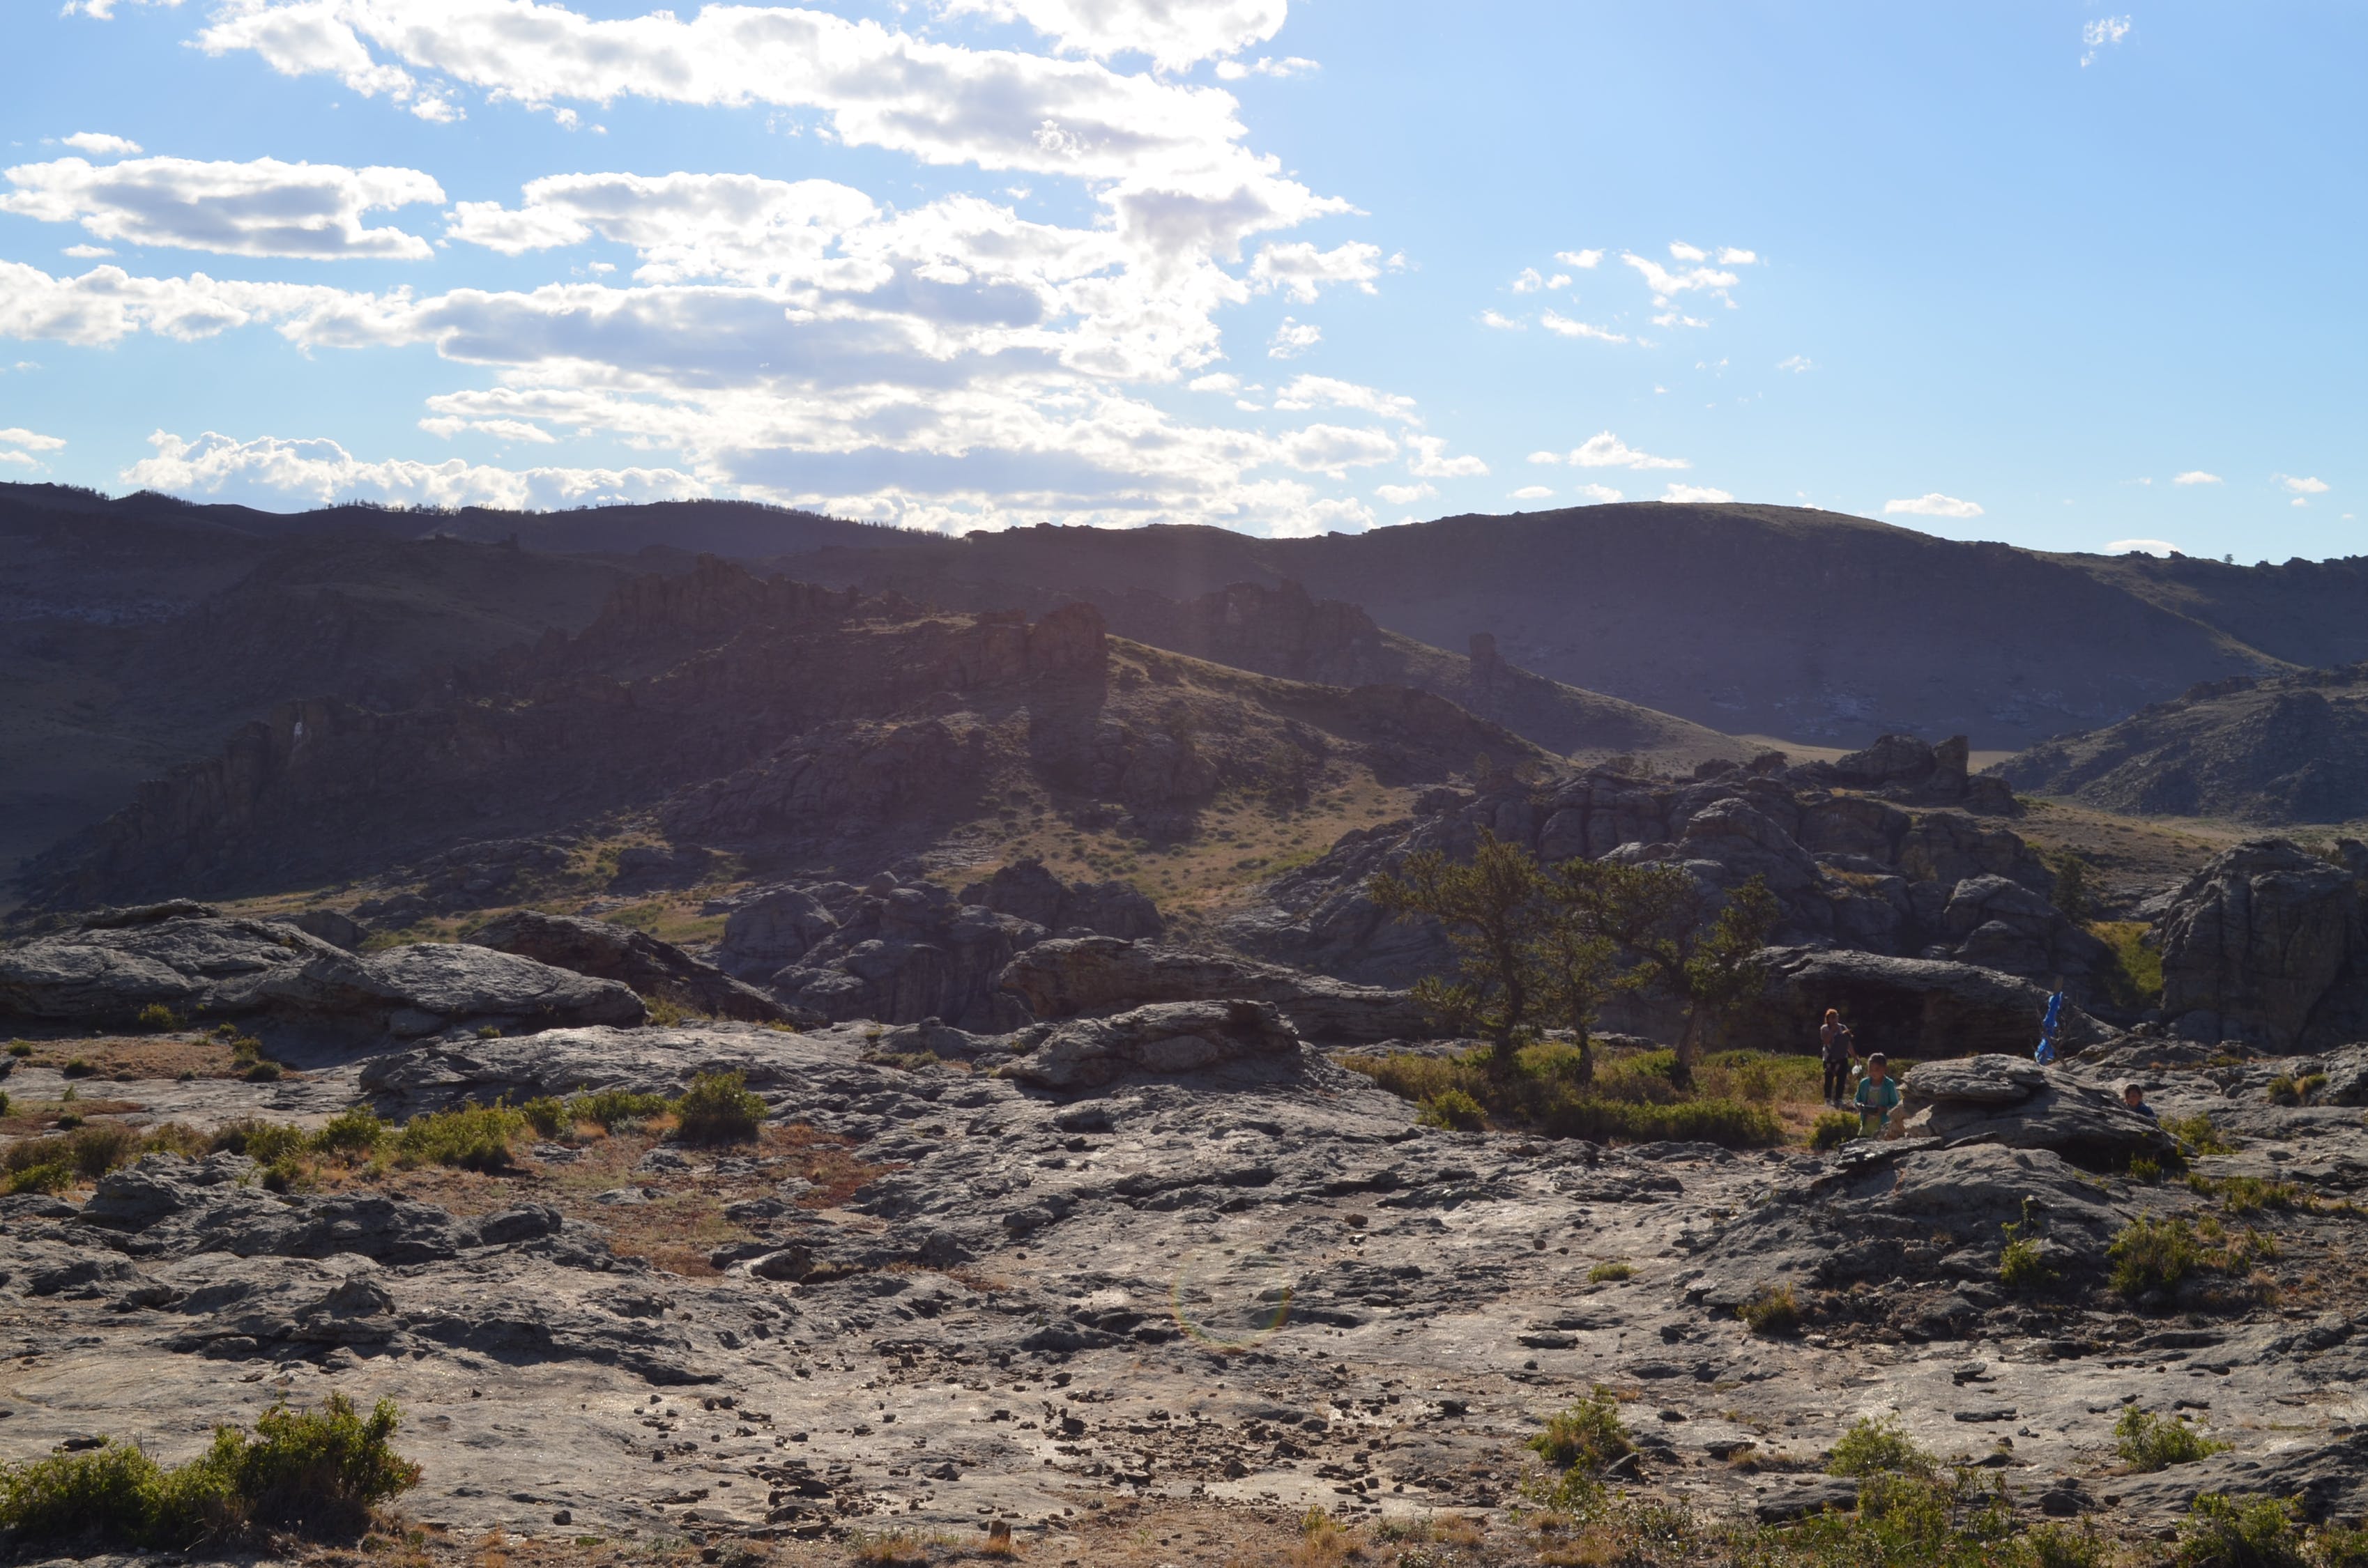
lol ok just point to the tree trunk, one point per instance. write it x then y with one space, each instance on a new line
1682 1073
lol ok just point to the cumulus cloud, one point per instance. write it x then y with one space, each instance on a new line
1554 322
2100 35
1701 494
1798 364
2141 546
1578 258
1680 251
2193 476
1292 338
1532 493
1730 257
2304 486
1175 33
1605 449
1430 461
1502 322
1288 66
99 145
320 472
29 441
1218 381
103 9
1602 494
1299 270
264 208
1665 284
1322 391
1933 505
1404 494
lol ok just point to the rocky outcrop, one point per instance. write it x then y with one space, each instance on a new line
896 952
2267 946
1067 978
1163 1039
204 968
636 959
1026 891
1922 1008
2013 1101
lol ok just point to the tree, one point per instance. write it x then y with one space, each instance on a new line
1577 962
1659 919
2072 886
1494 913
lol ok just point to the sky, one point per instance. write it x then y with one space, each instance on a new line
2030 270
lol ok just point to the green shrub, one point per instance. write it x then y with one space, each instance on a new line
4 1102
1455 1110
1772 1312
663 1013
2250 1195
2339 1546
489 1031
20 1048
1602 1272
2221 1532
159 1018
246 1050
263 1072
176 1138
2021 1267
719 1108
545 1115
2148 1443
77 1067
1877 1447
1834 1129
87 1153
353 1133
470 1138
1629 1100
2154 1254
2197 1134
1588 1436
315 1473
2133 974
2060 1545
612 1108
54 1176
262 1142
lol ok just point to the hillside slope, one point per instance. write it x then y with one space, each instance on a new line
2289 749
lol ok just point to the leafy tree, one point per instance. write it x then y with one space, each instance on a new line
2072 887
1659 919
1576 959
1494 913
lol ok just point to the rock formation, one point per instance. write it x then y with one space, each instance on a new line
636 959
2268 947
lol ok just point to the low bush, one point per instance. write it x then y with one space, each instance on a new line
262 1142
1878 1446
2021 1266
1588 1436
1772 1312
1908 1521
1629 1099
719 1108
1834 1129
354 1132
2148 1443
611 1109
545 1115
312 1473
159 1018
470 1138
2222 1532
263 1072
2197 1134
20 1049
1603 1272
56 1163
1453 1110
2154 1254
78 1067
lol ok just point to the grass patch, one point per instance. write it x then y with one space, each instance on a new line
2197 1135
470 1138
718 1107
1879 1445
1587 1436
2148 1443
1773 1312
2160 1255
1631 1098
156 1017
2133 977
1603 1273
312 1473
610 1108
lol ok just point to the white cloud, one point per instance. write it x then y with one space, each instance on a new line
88 253
1556 323
1292 338
1174 34
1545 457
1288 66
1532 493
103 9
2304 486
2101 34
1933 505
1218 381
1322 391
2196 476
1730 257
2141 546
264 208
1404 494
1700 494
16 435
99 145
322 471
1430 461
1601 493
1665 283
20 459
1299 270
1605 449
1578 258
1528 281
1797 364
1678 318
1502 322
2300 501
1680 251
501 429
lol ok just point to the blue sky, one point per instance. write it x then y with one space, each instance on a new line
2052 273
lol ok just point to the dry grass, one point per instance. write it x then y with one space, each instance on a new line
123 1058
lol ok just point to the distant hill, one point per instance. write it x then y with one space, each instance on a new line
2285 750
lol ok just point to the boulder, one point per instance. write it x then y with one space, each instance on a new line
896 953
2013 1101
2267 946
774 927
1923 1008
633 958
1073 976
1163 1039
1028 892
209 967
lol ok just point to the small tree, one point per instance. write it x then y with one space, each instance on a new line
2072 886
1659 919
1493 913
1576 959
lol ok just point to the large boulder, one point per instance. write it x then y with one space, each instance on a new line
2014 1101
208 967
903 953
1029 892
2265 946
1923 1008
1163 1040
631 957
1070 976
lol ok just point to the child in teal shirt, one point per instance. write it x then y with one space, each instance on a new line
1877 1097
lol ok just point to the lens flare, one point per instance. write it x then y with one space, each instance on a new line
1233 1299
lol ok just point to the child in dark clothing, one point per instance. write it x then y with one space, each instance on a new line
1836 1045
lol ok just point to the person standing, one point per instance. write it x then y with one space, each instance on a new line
1877 1097
1836 1045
